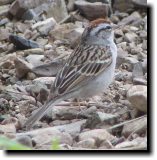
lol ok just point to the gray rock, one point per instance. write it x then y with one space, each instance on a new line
29 15
140 3
36 51
140 143
57 10
3 2
22 67
45 26
45 136
137 95
137 70
25 140
72 128
87 143
34 59
144 65
4 34
99 135
48 81
130 37
134 17
93 10
4 10
7 129
4 21
19 7
123 6
138 126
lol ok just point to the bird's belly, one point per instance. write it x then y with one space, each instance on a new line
99 84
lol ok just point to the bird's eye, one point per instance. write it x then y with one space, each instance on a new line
108 28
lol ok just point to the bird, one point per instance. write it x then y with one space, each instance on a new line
88 71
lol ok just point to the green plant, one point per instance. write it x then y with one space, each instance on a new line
7 144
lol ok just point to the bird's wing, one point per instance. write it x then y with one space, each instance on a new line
85 63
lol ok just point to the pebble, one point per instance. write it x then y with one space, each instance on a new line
137 95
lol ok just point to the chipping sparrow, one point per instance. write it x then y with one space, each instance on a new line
88 70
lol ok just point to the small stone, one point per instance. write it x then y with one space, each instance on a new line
137 95
36 51
22 67
88 143
4 34
48 81
35 59
98 134
24 140
144 65
7 129
45 26
22 43
4 21
138 126
130 19
31 76
93 10
129 37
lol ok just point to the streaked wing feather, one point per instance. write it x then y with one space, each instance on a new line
83 68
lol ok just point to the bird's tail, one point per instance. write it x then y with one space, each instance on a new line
40 113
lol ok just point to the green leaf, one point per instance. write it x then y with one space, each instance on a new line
8 144
55 144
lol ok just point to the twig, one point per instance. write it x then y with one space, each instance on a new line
121 124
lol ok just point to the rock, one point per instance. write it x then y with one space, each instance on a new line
121 56
19 7
48 81
139 143
144 45
138 126
3 48
122 6
106 145
29 15
144 65
72 128
140 81
99 135
137 95
71 5
45 26
36 51
93 11
134 17
44 136
4 34
137 70
4 10
98 119
130 37
4 21
31 76
22 67
129 62
7 129
57 10
6 61
140 3
34 89
34 59
88 143
50 69
22 43
25 140
3 2
68 31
